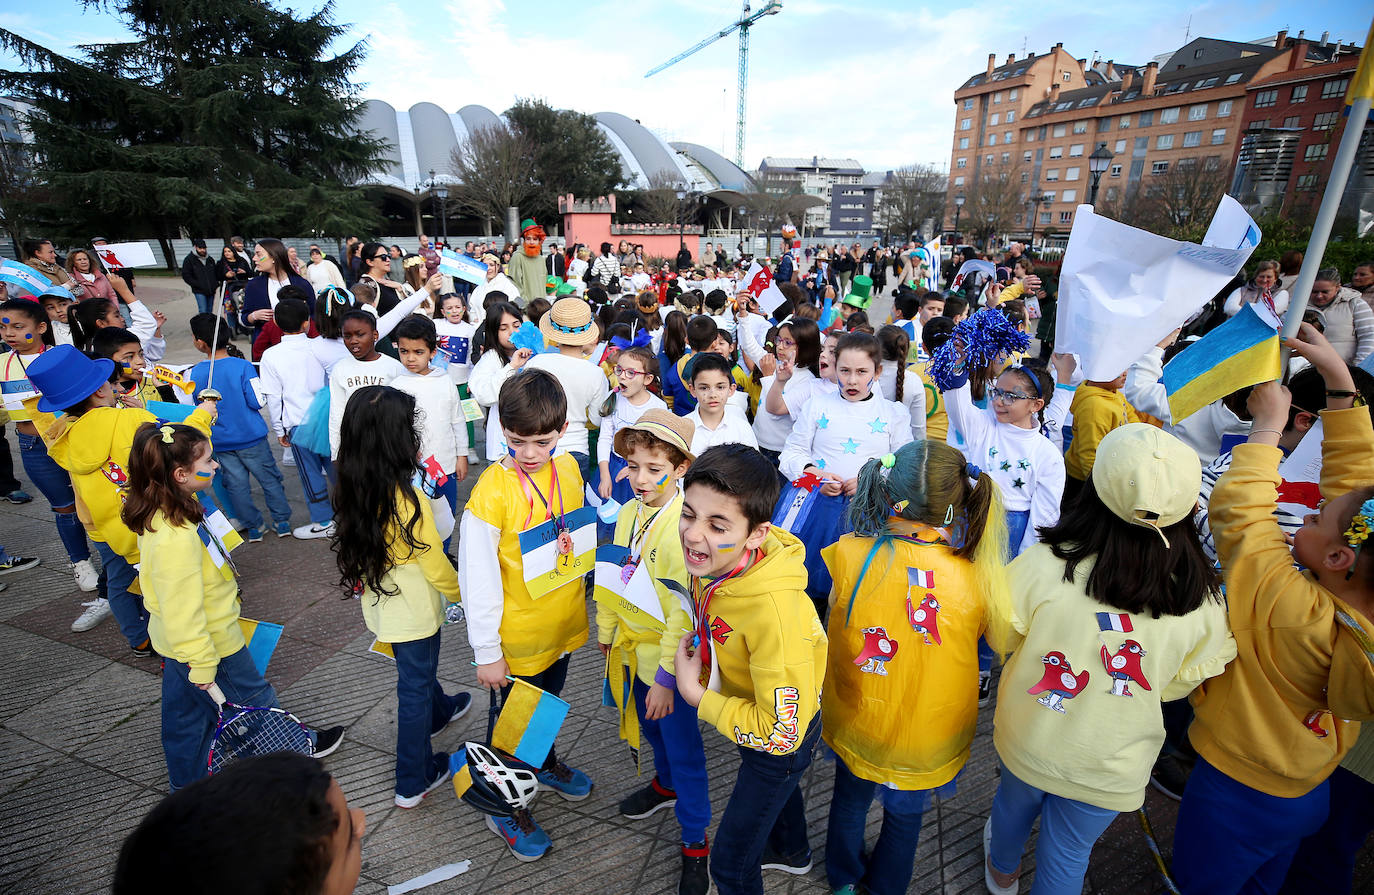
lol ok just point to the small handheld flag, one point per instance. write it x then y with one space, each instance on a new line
922 578
1114 621
262 639
1242 351
463 267
529 722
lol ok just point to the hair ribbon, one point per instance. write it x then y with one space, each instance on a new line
167 433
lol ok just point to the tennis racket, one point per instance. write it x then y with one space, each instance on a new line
245 731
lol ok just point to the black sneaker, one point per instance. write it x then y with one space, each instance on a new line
797 865
696 878
1170 776
984 688
460 708
12 563
144 649
639 805
327 741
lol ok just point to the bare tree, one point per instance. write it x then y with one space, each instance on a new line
909 197
773 208
494 169
1180 201
994 199
660 202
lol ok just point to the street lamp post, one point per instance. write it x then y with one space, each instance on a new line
958 210
1098 163
992 231
1036 201
442 193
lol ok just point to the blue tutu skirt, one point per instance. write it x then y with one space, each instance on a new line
818 521
313 432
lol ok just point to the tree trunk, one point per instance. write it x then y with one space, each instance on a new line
167 252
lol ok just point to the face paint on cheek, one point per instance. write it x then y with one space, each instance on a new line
204 475
5 321
661 482
725 546
28 337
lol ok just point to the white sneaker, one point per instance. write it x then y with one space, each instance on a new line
288 458
87 578
313 531
96 612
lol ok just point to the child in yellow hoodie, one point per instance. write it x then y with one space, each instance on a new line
386 544
1097 408
755 663
1273 728
918 582
640 638
91 441
191 598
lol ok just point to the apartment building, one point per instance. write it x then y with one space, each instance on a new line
817 177
1290 127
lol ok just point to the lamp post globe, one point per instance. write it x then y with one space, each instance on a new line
1098 163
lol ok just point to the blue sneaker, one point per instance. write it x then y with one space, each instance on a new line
283 529
526 840
570 783
18 496
253 536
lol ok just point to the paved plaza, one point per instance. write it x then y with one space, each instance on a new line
81 763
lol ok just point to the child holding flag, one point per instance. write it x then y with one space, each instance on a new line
755 663
512 632
657 452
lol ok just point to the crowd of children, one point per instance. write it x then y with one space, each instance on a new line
816 539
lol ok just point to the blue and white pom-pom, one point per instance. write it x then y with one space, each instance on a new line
988 336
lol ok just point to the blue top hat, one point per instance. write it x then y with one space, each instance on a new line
65 377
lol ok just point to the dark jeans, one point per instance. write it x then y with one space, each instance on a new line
765 811
1326 860
257 461
126 607
52 480
314 472
203 302
188 713
422 708
679 761
551 680
888 868
8 483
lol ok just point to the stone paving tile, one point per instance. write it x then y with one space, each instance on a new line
35 668
78 715
21 759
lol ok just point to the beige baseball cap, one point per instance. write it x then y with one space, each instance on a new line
1146 476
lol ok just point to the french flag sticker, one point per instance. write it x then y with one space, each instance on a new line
1111 621
923 578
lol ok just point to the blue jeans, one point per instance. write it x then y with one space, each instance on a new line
255 460
1017 520
888 868
1068 829
1234 839
422 708
127 607
679 761
1325 861
52 480
188 713
765 811
314 472
203 303
551 680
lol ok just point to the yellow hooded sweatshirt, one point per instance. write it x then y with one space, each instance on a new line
1096 411
770 649
1285 712
94 449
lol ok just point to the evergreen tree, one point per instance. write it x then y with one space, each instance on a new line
219 116
571 155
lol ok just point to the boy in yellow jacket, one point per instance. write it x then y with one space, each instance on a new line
91 440
755 663
657 452
1272 727
511 632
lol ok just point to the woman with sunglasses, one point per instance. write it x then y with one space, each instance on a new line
273 266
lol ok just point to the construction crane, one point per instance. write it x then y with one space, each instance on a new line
743 24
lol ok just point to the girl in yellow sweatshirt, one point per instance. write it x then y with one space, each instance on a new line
390 552
916 585
192 602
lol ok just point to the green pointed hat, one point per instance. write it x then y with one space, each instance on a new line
861 293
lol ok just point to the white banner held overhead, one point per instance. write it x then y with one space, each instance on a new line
1122 289
126 254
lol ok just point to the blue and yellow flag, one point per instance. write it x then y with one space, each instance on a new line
262 640
529 721
1242 351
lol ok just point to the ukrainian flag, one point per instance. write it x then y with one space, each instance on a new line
529 721
1242 351
262 640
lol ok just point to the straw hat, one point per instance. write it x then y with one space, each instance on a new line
569 322
664 425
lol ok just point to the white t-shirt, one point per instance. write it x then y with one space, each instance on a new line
733 429
439 415
273 287
585 386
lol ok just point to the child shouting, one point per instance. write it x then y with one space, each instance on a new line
657 453
754 666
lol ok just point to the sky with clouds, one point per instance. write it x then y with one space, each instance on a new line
871 81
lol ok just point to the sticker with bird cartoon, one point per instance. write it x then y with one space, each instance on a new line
1122 662
1059 682
877 651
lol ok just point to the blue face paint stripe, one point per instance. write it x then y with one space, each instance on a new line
204 475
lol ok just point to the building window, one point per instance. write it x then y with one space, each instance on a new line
1049 196
992 139
1266 98
1104 124
1044 217
1052 175
1030 135
987 159
959 181
1116 171
965 124
1006 157
1164 141
1147 119
1233 78
1307 182
963 142
997 97
995 118
1112 193
1293 121
1169 116
1007 137
1299 94
1197 113
1011 115
1192 138
1141 144
1066 76
1066 217
1080 127
1025 177
968 103
1332 89
1057 152
1159 168
1218 136
1012 94
1026 156
1123 123
1324 121
1071 173
1120 147
1211 163
1075 150
1069 196
1060 130
961 163
1223 108
1315 153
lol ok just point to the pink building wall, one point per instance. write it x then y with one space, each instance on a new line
589 222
